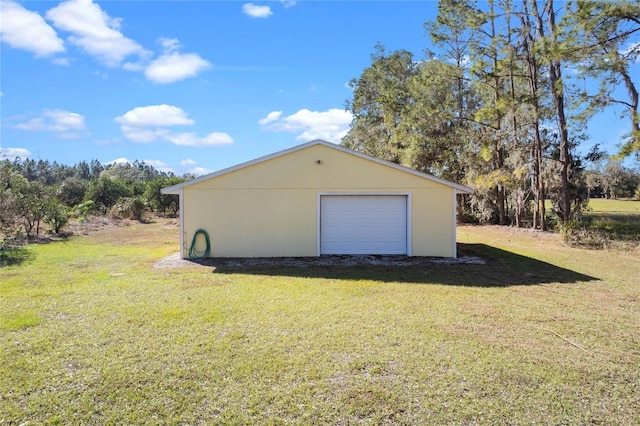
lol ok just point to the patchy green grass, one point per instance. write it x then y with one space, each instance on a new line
543 333
612 223
18 320
601 205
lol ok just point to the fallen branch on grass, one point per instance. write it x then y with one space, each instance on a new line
567 340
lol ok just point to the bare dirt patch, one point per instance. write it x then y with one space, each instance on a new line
93 224
174 261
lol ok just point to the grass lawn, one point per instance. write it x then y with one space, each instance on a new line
615 219
91 333
601 205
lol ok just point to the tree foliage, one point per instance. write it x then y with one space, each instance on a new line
494 108
35 192
603 32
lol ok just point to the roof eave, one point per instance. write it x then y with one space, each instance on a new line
171 190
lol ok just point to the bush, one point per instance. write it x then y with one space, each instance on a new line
57 216
82 210
128 208
106 192
72 191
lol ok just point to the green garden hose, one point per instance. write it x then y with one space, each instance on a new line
194 253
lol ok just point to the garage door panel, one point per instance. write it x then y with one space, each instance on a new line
363 224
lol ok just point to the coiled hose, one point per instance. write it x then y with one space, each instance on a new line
194 253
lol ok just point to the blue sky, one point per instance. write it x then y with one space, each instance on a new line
193 86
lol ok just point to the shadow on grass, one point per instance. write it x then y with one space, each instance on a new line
14 256
500 269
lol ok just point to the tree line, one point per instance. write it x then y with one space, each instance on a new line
33 193
504 105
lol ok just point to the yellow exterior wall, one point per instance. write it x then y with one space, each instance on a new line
270 209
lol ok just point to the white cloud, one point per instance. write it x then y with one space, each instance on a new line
174 66
61 61
140 134
288 3
133 66
157 164
199 171
256 11
190 139
24 29
155 115
150 123
169 44
66 124
271 117
331 125
193 168
11 153
160 165
121 160
94 31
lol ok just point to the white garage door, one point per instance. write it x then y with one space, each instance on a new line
363 224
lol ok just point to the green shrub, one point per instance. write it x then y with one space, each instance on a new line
57 216
82 210
128 208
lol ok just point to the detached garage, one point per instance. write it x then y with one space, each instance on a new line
319 199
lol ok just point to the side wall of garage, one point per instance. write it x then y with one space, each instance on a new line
270 209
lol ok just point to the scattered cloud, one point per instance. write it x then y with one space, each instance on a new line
160 165
64 62
172 65
11 153
155 115
169 44
271 117
94 31
65 124
137 134
331 125
190 139
23 29
151 123
288 3
256 11
199 171
193 168
157 164
121 160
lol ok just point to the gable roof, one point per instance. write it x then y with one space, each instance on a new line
175 189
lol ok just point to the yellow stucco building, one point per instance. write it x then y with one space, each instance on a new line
319 198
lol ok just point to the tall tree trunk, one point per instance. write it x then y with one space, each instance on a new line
499 154
539 210
557 91
512 88
635 114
